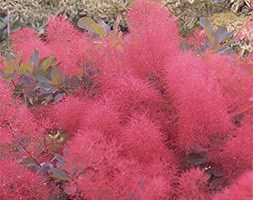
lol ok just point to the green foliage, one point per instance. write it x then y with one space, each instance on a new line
220 40
40 81
189 12
34 13
58 174
225 17
99 29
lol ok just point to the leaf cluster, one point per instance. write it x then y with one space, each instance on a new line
40 81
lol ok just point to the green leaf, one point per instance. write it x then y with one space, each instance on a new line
55 80
98 29
90 25
29 100
10 56
8 77
25 68
44 168
26 160
10 66
44 85
196 156
60 160
47 99
42 76
106 27
46 88
85 22
56 76
59 97
54 71
35 58
210 37
47 62
58 174
205 23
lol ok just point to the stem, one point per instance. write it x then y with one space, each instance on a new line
27 152
8 23
13 84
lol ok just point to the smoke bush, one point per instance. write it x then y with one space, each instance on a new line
146 119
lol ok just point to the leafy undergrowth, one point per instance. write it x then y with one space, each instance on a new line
118 116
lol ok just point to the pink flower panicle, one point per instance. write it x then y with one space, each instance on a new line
26 40
68 44
240 189
193 184
153 37
23 184
198 101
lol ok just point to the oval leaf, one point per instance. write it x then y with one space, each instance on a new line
35 58
47 62
98 29
25 68
85 22
105 26
26 160
90 25
58 174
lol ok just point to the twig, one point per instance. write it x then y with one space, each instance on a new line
27 152
8 23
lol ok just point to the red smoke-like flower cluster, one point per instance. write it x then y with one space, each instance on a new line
72 53
17 182
160 123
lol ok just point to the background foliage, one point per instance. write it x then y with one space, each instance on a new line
20 13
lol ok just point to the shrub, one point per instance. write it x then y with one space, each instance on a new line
123 116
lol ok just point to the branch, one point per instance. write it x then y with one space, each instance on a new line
8 23
24 148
